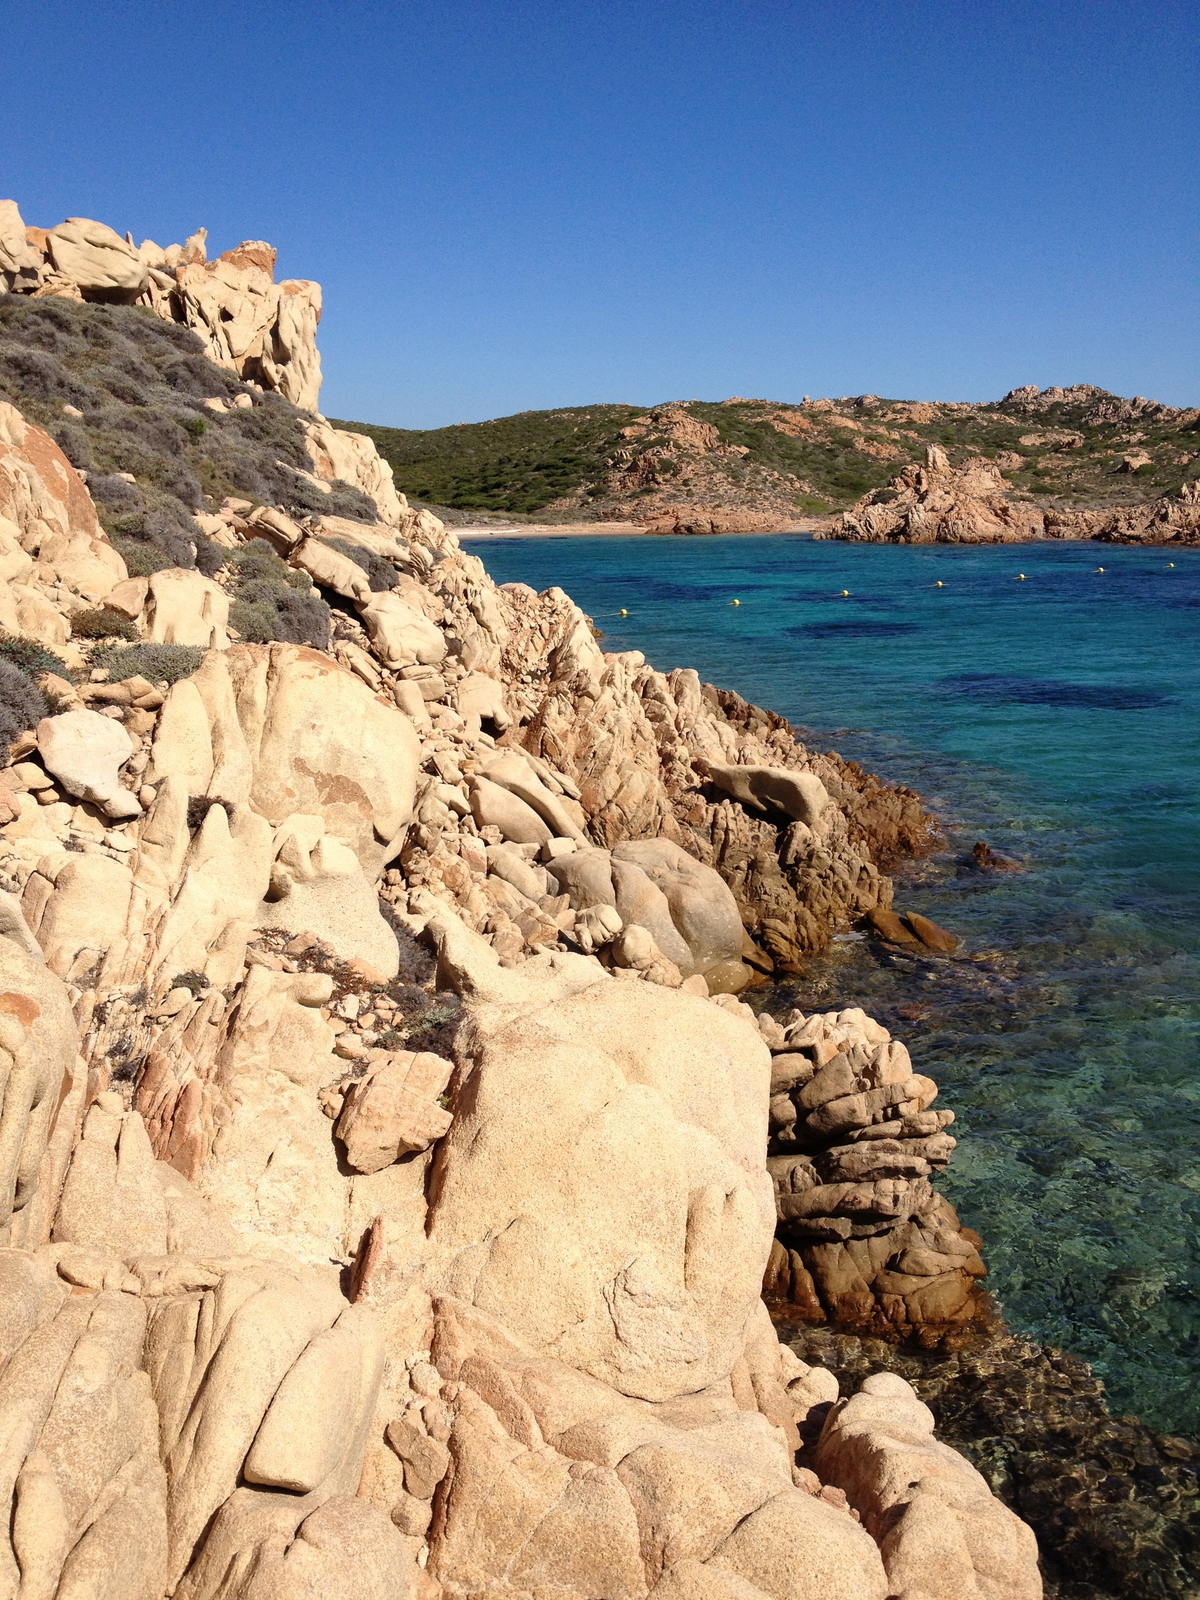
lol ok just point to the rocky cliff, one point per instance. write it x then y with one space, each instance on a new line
262 330
384 1148
971 504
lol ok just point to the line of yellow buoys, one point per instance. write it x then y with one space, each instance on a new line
844 594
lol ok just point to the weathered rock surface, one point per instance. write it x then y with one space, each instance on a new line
940 1530
863 1237
85 752
1173 519
337 1265
263 331
96 260
943 504
49 533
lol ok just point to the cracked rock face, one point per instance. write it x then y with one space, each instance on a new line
389 1170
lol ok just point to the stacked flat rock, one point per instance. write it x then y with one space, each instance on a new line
863 1238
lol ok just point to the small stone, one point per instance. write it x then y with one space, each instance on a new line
349 1047
426 1461
425 1379
32 776
412 1516
175 1001
365 972
264 958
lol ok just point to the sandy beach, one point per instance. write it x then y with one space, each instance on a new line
549 530
592 530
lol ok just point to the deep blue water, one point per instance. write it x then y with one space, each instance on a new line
1057 718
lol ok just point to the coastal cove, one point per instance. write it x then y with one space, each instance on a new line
1055 717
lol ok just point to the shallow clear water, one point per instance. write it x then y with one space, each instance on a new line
1058 719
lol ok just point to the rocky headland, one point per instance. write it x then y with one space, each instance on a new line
392 1165
1060 463
971 504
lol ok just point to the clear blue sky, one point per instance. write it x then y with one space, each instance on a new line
544 202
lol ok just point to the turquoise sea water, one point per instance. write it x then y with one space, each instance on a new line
1057 718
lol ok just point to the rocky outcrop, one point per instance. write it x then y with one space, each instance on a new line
262 330
494 1395
337 453
701 519
1174 519
54 557
941 1532
943 504
387 1154
863 1239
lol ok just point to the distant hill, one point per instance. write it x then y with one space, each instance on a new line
1067 447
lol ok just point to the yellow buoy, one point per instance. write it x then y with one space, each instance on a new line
1020 577
1170 563
624 613
845 592
938 584
1099 569
735 602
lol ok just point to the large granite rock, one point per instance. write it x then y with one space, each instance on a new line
47 515
96 260
944 504
331 1274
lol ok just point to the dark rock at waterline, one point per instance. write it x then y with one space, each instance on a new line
910 928
889 925
930 934
1115 1506
984 859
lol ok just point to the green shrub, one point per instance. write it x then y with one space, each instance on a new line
380 573
273 601
153 661
259 560
256 620
22 704
30 657
102 623
142 560
287 617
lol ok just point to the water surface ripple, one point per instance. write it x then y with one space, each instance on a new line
1057 717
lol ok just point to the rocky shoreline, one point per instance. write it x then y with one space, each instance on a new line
391 1167
1115 1506
940 504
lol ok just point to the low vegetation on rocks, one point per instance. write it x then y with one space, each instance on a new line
123 394
22 703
